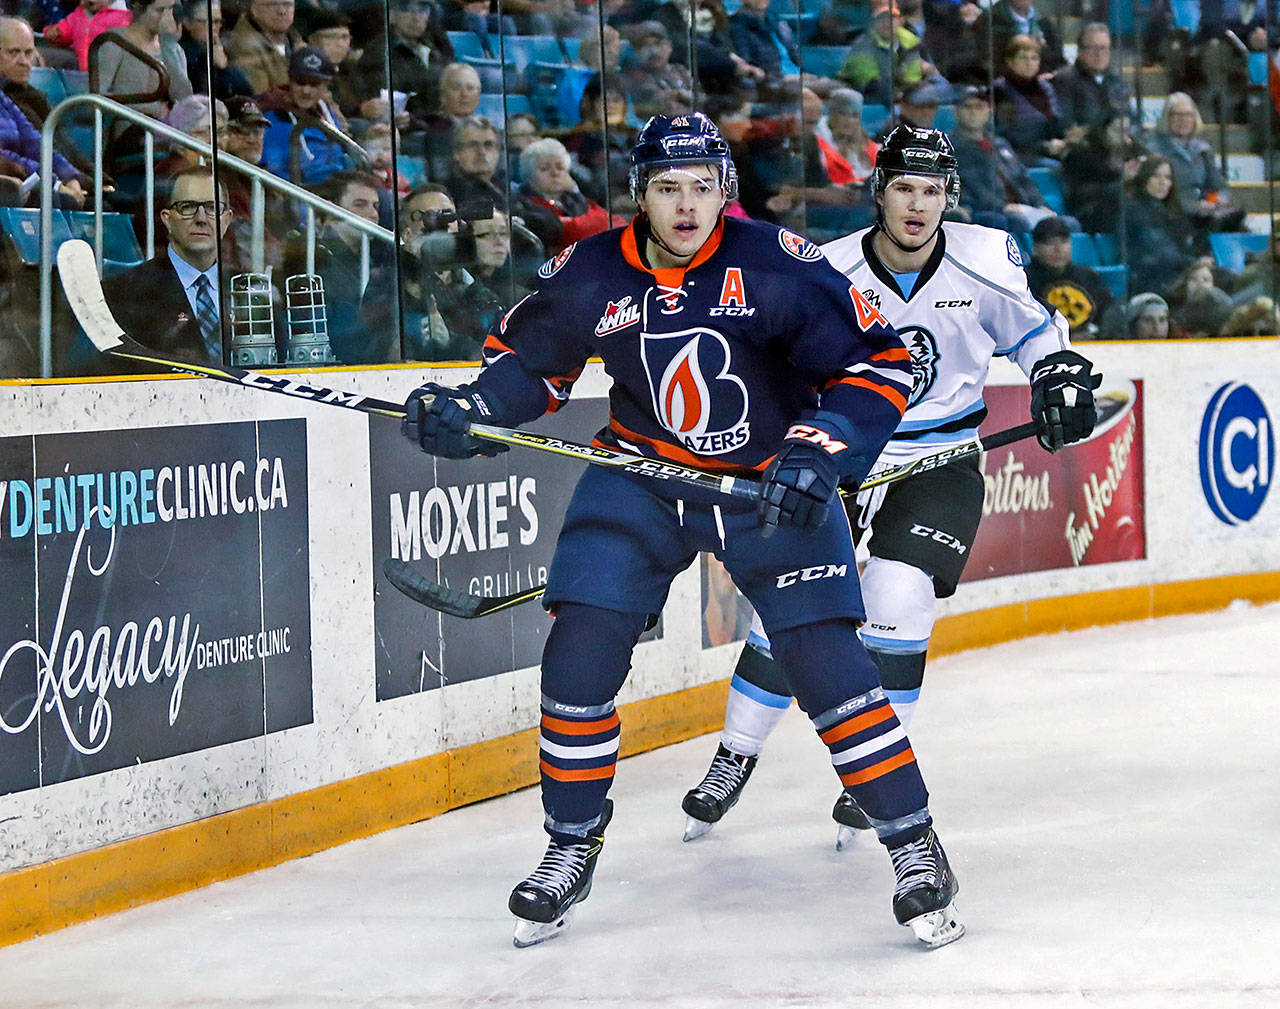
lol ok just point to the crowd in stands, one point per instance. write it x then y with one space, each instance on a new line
485 137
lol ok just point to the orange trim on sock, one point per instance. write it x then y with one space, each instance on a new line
579 774
864 721
878 770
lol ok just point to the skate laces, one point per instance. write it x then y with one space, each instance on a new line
723 776
561 867
916 863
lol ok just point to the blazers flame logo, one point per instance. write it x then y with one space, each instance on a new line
695 394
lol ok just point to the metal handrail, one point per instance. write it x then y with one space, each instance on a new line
260 176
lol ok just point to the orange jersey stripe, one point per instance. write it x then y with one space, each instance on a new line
581 728
878 770
893 354
887 391
864 721
581 774
491 342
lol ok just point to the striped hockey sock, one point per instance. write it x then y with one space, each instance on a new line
578 751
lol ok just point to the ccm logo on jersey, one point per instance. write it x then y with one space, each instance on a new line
956 303
806 432
812 574
733 295
938 536
619 315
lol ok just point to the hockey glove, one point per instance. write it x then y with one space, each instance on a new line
1062 407
438 419
802 479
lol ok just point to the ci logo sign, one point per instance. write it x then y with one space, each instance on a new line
1237 453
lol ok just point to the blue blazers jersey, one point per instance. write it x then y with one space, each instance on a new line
711 363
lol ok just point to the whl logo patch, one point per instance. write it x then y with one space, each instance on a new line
1237 453
619 315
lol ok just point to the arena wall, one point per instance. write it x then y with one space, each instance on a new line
295 723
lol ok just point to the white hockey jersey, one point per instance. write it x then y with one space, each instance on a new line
970 301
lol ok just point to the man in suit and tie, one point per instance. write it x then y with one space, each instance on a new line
172 303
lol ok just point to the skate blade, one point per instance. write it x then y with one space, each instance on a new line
937 928
846 837
694 828
530 933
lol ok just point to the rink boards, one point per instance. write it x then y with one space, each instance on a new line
204 672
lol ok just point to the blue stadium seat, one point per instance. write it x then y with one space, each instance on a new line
1083 251
1229 248
495 76
1050 186
21 225
874 118
823 60
572 46
802 25
48 80
525 49
75 82
1258 68
467 44
945 120
120 248
1108 248
492 107
1186 14
1117 278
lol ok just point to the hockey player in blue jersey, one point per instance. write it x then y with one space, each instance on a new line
733 346
958 296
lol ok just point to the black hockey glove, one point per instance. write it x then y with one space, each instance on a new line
1062 407
801 481
438 420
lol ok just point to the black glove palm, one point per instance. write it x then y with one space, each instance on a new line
1062 405
798 487
438 420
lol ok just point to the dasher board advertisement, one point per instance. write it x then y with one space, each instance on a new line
156 597
1082 505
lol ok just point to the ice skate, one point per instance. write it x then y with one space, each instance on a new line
850 821
716 793
924 899
544 903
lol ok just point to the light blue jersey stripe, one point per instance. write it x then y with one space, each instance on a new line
756 694
895 646
899 697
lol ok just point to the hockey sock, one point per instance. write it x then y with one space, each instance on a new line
586 660
901 610
901 676
837 684
758 698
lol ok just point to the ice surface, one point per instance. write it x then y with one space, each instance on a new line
1109 799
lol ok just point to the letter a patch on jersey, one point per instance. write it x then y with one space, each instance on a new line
868 314
733 291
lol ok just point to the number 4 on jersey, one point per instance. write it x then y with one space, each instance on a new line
868 314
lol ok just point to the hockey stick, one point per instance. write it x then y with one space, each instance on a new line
457 603
79 274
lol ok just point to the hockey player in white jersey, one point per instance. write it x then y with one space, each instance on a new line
957 295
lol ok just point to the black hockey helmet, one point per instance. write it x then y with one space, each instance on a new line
910 150
689 139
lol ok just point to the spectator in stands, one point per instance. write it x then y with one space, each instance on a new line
262 42
1197 304
1259 317
194 117
17 56
1090 92
885 60
1146 317
957 49
548 187
764 41
246 133
1077 291
522 129
1201 188
84 24
246 129
154 31
654 84
1026 112
720 69
173 303
467 16
848 151
314 153
376 141
459 96
477 152
919 107
418 54
1094 170
1007 18
197 34
601 155
330 32
510 276
446 311
1160 240
995 188
20 146
339 264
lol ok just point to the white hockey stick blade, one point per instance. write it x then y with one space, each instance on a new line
694 828
937 928
530 933
78 270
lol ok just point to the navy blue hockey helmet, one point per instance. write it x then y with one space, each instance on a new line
669 141
909 150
